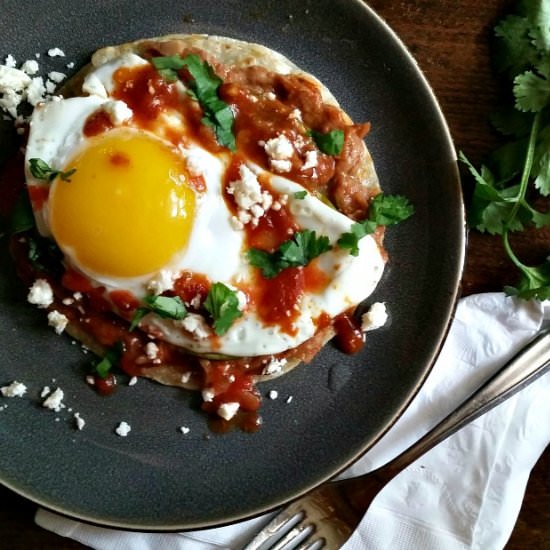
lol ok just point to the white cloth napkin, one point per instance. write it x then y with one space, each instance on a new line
464 494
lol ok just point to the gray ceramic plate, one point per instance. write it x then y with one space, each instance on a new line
156 478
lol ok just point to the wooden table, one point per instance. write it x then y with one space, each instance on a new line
449 38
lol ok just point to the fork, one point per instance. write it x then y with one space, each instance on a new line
327 516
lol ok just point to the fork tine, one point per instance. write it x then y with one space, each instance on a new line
284 520
301 532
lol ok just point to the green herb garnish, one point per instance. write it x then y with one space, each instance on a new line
300 195
42 171
167 307
109 361
383 210
296 252
22 217
330 143
520 169
204 86
223 305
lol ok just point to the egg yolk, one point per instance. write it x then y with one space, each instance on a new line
127 209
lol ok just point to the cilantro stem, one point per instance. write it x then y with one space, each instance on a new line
527 167
510 252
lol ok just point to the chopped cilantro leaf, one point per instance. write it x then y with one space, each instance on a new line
299 251
42 171
330 143
109 361
383 210
300 195
223 305
204 84
168 307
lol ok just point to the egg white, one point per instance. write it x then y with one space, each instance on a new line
216 248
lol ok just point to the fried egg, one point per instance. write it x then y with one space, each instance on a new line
135 210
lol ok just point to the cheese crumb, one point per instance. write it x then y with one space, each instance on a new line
55 400
30 67
151 351
275 366
36 91
196 325
118 111
15 389
56 76
123 429
40 294
228 410
279 150
10 61
80 422
185 430
375 317
311 160
273 394
58 321
56 52
45 391
253 203
132 381
162 282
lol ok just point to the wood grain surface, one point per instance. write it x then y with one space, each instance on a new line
450 40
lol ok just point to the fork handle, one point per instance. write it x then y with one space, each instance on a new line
530 363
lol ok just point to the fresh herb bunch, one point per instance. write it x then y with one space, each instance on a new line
520 169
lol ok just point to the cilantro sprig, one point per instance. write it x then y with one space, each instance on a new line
383 210
520 169
167 307
204 87
41 170
223 305
299 251
110 360
330 143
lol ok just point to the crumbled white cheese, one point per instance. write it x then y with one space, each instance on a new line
118 111
54 401
275 366
296 114
123 429
253 203
271 96
185 430
162 282
208 395
40 294
58 321
132 381
13 79
196 325
289 399
273 394
50 87
80 422
15 389
30 67
9 103
375 317
92 85
279 150
36 91
151 351
56 52
10 61
45 391
311 160
56 76
70 65
185 377
228 410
